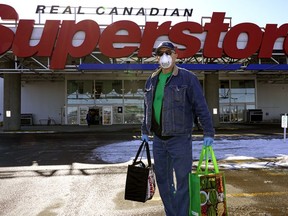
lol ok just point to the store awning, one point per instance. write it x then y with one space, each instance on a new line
192 67
267 67
143 67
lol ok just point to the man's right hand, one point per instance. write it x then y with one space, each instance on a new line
145 137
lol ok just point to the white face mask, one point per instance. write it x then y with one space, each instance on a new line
165 61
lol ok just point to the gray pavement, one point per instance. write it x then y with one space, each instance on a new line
225 129
44 171
98 190
114 132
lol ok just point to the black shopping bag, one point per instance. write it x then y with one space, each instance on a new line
140 180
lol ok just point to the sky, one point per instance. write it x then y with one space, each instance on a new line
259 12
247 151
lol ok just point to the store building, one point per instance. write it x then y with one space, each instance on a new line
54 71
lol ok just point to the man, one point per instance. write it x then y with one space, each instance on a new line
173 96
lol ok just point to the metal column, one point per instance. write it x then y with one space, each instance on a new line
12 102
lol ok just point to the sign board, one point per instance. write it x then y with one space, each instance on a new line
284 119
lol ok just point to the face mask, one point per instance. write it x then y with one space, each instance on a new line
165 61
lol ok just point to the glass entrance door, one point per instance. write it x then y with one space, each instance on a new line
83 110
72 115
232 113
107 115
235 98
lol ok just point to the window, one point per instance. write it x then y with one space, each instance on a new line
124 96
235 97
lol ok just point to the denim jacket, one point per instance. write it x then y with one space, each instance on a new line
183 100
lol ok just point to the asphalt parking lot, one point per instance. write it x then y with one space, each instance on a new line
81 189
45 171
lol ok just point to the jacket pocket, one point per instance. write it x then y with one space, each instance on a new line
178 106
179 93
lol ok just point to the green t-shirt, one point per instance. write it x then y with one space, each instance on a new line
159 94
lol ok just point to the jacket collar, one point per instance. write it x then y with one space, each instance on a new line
174 73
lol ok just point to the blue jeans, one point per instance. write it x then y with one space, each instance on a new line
174 154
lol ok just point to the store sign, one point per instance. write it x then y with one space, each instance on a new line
126 11
56 39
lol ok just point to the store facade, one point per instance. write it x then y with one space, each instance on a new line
104 68
115 101
121 101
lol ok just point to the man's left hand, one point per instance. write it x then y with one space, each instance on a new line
208 141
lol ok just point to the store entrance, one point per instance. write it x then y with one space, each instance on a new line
107 115
104 114
94 116
84 115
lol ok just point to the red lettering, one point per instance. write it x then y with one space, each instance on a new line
123 38
253 44
8 13
285 46
23 35
6 35
48 38
268 40
150 35
21 46
6 39
110 37
64 46
192 44
283 33
214 29
271 34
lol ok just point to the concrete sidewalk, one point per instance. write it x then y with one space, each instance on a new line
98 190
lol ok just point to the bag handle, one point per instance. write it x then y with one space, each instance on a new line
206 152
146 146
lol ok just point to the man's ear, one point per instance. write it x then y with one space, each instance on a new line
176 55
176 52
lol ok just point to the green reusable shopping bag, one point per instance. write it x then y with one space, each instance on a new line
207 187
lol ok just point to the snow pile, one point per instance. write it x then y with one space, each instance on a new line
252 153
283 161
